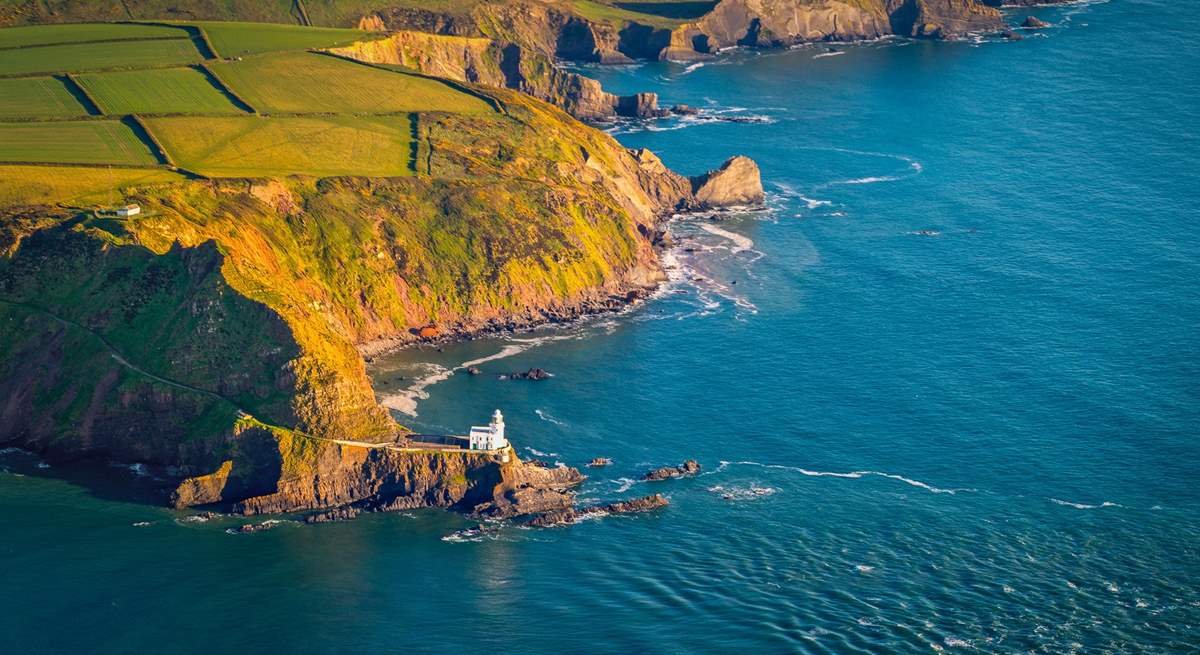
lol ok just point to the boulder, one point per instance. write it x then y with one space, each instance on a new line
600 461
473 370
690 467
684 110
736 183
532 374
428 332
1034 23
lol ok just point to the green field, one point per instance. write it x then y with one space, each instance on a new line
46 34
239 39
37 96
69 142
253 146
97 56
50 184
160 91
307 82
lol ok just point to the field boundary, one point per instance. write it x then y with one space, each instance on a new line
496 105
227 88
221 86
142 130
74 85
304 19
75 164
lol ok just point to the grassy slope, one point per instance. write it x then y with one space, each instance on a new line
47 185
307 82
97 56
250 146
169 90
48 34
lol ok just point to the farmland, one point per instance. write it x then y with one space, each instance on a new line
240 39
303 81
68 142
97 56
253 146
163 107
158 91
37 96
53 34
50 184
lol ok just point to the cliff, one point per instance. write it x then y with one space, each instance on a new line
483 60
218 335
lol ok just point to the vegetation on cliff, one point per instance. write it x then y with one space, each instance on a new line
217 332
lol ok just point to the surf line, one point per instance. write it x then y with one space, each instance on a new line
854 475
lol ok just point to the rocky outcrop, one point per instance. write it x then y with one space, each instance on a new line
942 19
1034 23
736 183
689 467
569 516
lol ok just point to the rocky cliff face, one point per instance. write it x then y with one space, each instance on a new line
482 60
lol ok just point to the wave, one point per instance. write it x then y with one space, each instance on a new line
1067 503
829 54
751 492
869 180
854 475
740 243
143 524
539 453
623 484
405 400
545 416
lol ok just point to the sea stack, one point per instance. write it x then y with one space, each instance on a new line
736 183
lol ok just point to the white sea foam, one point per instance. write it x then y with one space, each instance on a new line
863 568
545 416
43 465
1067 503
12 451
829 54
143 524
813 203
692 67
869 180
853 475
539 453
623 484
139 470
740 243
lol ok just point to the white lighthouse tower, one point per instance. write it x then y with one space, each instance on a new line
490 437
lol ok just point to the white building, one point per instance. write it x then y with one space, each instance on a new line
129 210
490 437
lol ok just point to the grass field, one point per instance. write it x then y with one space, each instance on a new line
70 142
51 184
95 56
161 91
43 34
239 39
251 146
37 96
307 82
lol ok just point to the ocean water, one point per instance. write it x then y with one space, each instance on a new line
946 393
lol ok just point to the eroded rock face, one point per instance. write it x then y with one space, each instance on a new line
737 182
942 19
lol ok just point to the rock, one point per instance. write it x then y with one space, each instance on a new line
684 110
335 514
473 370
428 332
531 374
690 467
599 461
257 527
737 182
568 516
1011 35
639 105
1034 23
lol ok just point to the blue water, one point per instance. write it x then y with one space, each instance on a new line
960 365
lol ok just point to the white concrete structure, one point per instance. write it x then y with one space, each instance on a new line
490 437
129 210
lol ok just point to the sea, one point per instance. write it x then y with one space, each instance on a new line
945 391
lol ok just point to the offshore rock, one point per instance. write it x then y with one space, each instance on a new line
737 182
1034 23
568 516
690 467
336 514
532 374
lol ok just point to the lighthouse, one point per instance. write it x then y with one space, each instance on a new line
491 436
